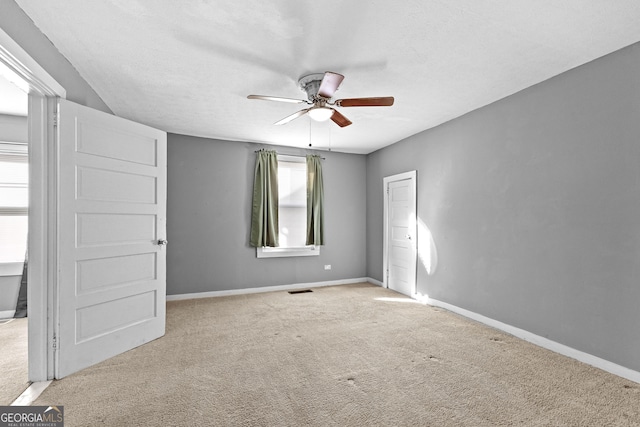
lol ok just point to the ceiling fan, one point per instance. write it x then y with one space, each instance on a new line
320 89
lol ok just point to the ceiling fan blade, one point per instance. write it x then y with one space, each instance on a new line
386 101
339 119
292 117
277 98
330 83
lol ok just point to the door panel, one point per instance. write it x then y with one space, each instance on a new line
103 273
111 186
400 234
101 229
105 141
98 319
111 214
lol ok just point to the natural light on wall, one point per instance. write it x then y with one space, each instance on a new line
427 248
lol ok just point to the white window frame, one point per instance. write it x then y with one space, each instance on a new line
269 252
293 251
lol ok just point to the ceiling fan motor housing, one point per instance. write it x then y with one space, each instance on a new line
310 84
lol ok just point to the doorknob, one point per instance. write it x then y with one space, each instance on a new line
408 236
162 242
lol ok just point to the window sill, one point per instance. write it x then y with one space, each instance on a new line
11 268
267 252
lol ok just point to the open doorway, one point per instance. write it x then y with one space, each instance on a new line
17 66
14 200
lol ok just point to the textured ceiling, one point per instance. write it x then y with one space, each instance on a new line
187 66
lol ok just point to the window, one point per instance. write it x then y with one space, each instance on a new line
292 203
292 211
14 202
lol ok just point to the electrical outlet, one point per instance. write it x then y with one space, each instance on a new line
327 266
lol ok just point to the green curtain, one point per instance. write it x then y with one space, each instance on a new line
315 201
264 212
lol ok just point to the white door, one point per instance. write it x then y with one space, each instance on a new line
400 233
111 235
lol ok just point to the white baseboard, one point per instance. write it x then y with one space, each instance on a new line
375 282
581 356
211 294
7 314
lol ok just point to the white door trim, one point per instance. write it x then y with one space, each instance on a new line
385 257
21 63
42 218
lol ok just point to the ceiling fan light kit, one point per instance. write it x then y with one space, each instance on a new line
320 114
320 88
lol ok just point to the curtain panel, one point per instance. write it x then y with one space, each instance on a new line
264 211
315 201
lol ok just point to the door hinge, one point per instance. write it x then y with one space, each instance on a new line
55 342
54 116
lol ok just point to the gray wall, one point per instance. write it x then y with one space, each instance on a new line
23 31
534 206
210 184
9 289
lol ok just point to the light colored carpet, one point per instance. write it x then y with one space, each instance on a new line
14 376
352 355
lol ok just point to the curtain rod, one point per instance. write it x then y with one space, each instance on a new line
292 155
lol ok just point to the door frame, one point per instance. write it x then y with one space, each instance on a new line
43 91
411 175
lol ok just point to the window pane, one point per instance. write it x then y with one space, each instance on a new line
14 178
13 238
14 172
293 226
292 184
14 197
292 203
